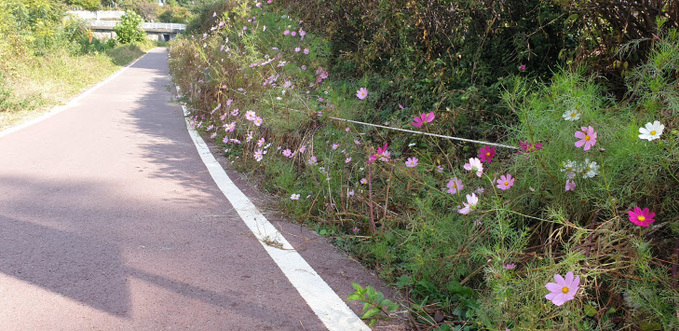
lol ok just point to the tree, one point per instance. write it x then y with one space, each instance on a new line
85 4
129 30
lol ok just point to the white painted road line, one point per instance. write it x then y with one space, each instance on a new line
72 102
326 304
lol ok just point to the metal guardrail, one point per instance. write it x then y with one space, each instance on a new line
144 26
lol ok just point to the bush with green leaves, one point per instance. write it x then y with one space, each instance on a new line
129 29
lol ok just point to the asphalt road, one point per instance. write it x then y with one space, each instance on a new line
109 220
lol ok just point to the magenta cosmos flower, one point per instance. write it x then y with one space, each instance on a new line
564 289
486 153
587 137
505 182
362 93
380 153
641 217
423 118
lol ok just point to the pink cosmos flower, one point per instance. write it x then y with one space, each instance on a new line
439 169
259 155
587 137
505 182
381 151
522 67
218 106
454 185
235 112
423 118
362 93
412 162
509 266
230 127
472 200
486 153
294 196
302 149
286 32
347 160
334 146
641 217
302 33
474 165
287 153
312 160
250 115
529 147
293 33
364 181
258 121
261 142
570 185
297 49
563 289
228 102
306 51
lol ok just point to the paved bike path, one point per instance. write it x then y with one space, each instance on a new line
108 220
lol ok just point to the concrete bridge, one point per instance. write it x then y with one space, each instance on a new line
154 31
102 22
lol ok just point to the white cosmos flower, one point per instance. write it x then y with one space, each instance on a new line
569 166
651 131
571 115
472 200
589 169
474 165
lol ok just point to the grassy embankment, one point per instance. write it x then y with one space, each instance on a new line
32 84
472 249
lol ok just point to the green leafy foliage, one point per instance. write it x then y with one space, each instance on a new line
375 306
129 29
85 4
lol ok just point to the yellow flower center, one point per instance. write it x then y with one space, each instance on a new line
573 114
506 183
565 289
653 133
454 186
587 138
488 154
641 218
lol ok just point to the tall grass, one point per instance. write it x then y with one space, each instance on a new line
486 269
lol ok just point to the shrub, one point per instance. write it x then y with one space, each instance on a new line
129 30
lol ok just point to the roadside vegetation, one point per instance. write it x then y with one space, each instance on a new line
564 212
47 58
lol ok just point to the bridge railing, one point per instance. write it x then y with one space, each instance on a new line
144 26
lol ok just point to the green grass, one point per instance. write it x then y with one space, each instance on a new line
33 84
